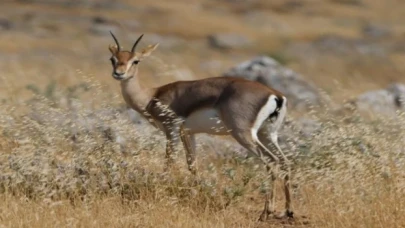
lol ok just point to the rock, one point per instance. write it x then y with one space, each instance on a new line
222 147
288 6
5 24
332 42
385 101
302 128
110 5
350 2
307 127
376 31
100 20
103 26
380 101
398 90
79 123
133 116
228 41
263 69
99 4
342 45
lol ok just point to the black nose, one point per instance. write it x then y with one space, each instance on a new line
118 74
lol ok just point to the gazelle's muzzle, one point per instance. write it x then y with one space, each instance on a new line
118 76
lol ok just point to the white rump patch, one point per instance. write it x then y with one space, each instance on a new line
263 114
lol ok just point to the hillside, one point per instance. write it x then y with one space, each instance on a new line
71 155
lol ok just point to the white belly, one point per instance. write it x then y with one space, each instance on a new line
205 121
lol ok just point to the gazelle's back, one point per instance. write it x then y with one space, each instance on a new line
204 104
186 97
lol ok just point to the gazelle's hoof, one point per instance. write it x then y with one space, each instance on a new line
265 215
287 214
193 172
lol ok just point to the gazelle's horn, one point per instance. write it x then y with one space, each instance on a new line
116 41
136 43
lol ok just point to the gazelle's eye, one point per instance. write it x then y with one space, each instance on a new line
112 61
136 62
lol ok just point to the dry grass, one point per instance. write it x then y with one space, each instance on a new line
348 175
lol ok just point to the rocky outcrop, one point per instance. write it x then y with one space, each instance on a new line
385 101
227 41
103 26
374 31
268 71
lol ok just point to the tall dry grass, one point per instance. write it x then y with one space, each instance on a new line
67 161
70 158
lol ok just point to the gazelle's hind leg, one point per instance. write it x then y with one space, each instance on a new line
254 146
248 135
270 198
268 137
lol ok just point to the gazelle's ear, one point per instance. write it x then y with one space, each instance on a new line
148 50
113 49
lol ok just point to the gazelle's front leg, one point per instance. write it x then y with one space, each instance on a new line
169 154
189 146
172 138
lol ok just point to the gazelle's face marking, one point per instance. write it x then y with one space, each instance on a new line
125 63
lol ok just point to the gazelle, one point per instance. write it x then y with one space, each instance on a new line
248 111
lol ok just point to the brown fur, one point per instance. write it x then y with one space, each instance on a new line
235 101
186 97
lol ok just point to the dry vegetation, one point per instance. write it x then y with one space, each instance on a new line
352 177
351 174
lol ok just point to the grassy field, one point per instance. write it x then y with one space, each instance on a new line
349 175
353 177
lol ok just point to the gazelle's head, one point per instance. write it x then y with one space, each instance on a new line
125 63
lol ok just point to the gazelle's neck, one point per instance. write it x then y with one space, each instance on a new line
135 94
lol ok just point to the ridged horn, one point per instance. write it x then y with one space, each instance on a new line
116 41
136 43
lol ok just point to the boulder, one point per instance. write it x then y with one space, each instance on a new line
228 41
103 26
5 24
374 31
99 4
398 90
299 92
384 101
350 2
80 123
381 101
335 44
307 127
